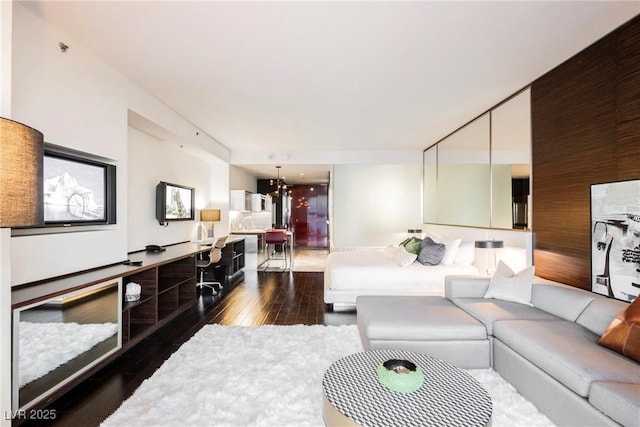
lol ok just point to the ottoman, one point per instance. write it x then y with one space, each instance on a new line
354 396
423 324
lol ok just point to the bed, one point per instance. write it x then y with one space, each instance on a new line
349 274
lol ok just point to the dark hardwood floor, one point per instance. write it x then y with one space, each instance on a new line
258 299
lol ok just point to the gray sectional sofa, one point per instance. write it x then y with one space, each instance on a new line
547 351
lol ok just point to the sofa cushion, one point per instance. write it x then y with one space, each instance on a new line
566 302
623 334
566 351
598 315
621 401
489 311
416 319
509 286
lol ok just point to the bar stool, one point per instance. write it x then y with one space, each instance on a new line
272 239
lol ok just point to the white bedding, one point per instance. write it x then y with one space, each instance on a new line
349 274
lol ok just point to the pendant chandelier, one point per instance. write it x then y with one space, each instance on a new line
278 183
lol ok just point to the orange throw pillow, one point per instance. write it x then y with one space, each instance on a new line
623 334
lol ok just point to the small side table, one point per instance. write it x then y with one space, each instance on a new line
353 395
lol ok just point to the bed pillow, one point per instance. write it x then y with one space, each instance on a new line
507 286
450 251
389 251
412 245
623 334
431 252
400 255
466 254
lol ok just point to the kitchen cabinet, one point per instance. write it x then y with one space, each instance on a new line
239 200
258 202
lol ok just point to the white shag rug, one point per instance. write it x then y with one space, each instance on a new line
45 346
269 376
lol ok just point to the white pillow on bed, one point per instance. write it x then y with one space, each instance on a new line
450 251
466 254
400 255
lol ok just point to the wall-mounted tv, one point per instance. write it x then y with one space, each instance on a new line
78 190
174 203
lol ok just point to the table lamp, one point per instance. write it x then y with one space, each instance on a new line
489 247
210 216
21 182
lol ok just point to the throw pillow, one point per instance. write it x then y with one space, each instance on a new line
508 286
403 257
431 252
623 334
450 251
466 254
412 245
389 251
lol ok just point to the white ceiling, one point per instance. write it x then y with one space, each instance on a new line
290 77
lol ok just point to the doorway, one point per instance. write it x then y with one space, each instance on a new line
310 215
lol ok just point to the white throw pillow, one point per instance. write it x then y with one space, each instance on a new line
466 254
507 286
450 251
403 257
390 251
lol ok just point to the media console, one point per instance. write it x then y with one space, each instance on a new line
96 297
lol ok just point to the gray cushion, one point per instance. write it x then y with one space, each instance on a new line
621 401
431 253
489 311
416 319
564 301
566 351
598 315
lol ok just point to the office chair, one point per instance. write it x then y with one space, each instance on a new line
215 255
273 238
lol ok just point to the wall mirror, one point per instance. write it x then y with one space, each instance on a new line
58 339
479 176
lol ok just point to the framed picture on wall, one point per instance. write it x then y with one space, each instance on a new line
615 239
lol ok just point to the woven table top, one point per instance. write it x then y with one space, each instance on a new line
448 397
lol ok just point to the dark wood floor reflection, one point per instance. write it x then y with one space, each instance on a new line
259 299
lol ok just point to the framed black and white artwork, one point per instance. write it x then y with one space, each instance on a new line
615 239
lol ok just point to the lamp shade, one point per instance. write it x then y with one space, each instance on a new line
489 244
210 215
21 182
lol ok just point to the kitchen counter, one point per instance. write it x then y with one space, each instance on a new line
249 231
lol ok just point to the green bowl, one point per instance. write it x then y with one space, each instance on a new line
400 375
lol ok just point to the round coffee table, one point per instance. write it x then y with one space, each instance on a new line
353 395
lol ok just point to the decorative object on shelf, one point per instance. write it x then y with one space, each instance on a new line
21 165
490 247
615 239
209 216
400 375
132 292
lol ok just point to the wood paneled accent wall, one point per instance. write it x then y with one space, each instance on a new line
585 130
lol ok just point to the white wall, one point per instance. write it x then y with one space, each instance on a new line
374 205
239 179
77 102
172 164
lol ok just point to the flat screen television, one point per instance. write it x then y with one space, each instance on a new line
78 190
174 203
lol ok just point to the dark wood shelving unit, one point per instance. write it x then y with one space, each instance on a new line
168 287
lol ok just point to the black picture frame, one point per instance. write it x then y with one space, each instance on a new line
78 190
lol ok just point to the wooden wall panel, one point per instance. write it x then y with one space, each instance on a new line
585 130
